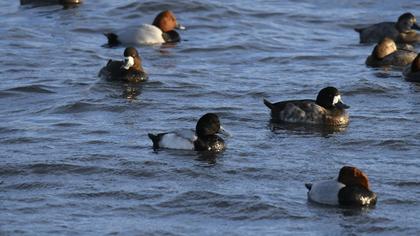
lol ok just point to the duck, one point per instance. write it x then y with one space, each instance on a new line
408 39
386 53
203 138
401 31
351 188
48 2
161 31
327 109
412 72
128 70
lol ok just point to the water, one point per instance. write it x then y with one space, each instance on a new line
76 159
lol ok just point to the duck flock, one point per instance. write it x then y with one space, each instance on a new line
395 47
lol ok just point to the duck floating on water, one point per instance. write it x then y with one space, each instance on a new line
351 188
386 53
401 31
128 70
327 109
204 138
161 31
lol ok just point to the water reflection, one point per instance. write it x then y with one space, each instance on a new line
210 158
355 211
345 211
131 90
323 130
205 158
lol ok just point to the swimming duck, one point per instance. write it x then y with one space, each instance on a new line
386 53
47 2
350 189
404 26
412 72
161 31
327 109
408 38
204 137
129 70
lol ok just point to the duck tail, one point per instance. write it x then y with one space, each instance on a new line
359 30
268 104
155 139
112 39
308 186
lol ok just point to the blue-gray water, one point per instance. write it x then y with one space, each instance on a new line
76 159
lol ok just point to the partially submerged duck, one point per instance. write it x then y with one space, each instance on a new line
401 31
386 53
204 138
412 72
408 38
161 31
65 3
351 188
327 109
128 70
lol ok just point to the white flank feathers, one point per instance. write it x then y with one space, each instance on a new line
143 34
325 192
179 140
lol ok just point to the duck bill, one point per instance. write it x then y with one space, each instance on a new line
224 132
415 26
180 27
341 105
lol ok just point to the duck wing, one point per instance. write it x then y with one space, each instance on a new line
111 70
297 111
375 33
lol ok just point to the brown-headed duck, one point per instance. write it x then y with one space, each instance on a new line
351 188
128 70
385 53
161 31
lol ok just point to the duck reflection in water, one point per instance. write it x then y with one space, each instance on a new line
324 130
131 91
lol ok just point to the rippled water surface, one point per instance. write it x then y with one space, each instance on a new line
76 159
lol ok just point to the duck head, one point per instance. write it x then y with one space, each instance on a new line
131 59
407 22
351 176
166 21
209 124
329 98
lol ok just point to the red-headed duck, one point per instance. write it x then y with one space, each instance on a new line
161 31
386 53
405 25
327 109
128 70
204 137
412 72
351 188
